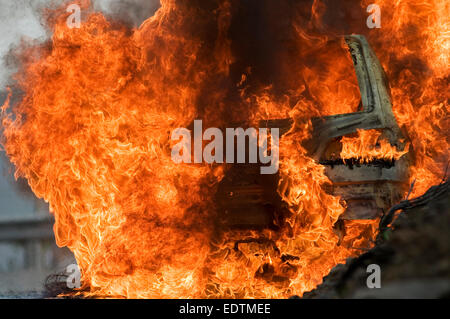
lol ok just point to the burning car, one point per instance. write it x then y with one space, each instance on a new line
91 133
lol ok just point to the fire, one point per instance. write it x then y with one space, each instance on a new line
367 146
91 134
417 63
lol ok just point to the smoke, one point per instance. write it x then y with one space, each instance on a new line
132 12
18 19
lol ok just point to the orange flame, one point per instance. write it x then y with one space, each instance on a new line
417 66
367 146
92 137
